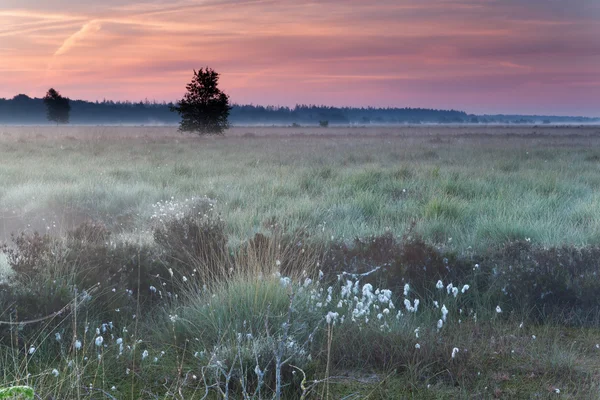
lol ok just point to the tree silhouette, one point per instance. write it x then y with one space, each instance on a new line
57 107
204 109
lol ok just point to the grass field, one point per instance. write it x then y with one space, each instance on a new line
477 188
190 302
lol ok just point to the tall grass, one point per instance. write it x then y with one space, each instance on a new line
258 334
304 267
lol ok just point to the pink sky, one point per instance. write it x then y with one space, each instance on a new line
481 56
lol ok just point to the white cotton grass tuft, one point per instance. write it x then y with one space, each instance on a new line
55 373
498 309
331 317
77 344
464 288
99 340
444 312
415 307
406 289
455 352
439 285
285 281
144 354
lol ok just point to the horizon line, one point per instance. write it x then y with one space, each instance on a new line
164 102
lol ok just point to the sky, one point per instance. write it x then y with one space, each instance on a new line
480 56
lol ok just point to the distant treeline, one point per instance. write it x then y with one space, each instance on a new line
25 110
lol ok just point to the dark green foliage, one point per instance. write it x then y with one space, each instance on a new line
204 109
323 123
57 107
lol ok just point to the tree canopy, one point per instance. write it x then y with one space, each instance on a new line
204 109
57 107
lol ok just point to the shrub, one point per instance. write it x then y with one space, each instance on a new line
28 256
50 274
556 282
410 259
195 244
33 290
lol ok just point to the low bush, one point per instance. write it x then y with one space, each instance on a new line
279 314
548 283
395 262
51 276
195 243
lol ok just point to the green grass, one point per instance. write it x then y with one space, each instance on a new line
466 196
483 191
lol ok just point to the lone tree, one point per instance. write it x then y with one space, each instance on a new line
204 109
57 107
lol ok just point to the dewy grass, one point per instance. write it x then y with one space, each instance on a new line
238 307
325 185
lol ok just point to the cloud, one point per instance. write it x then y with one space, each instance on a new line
38 15
396 52
87 29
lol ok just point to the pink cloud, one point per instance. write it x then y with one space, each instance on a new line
481 56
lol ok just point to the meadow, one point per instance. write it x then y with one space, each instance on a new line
464 187
388 262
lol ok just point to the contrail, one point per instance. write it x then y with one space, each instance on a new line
90 27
